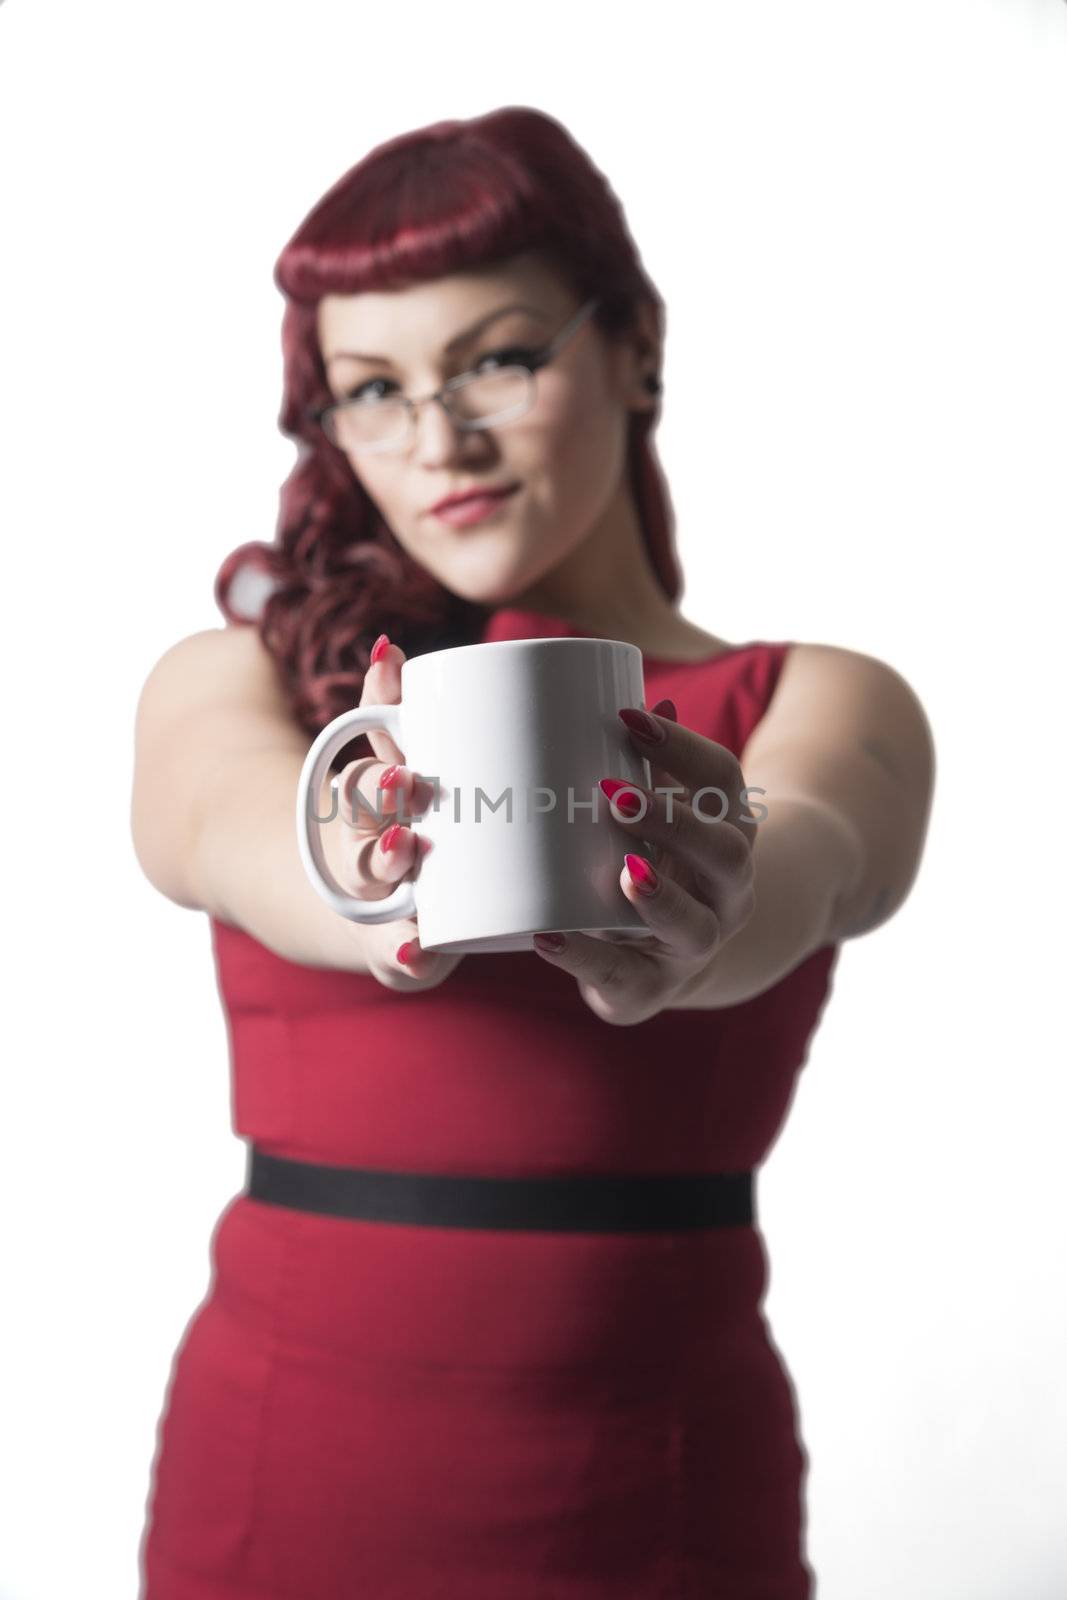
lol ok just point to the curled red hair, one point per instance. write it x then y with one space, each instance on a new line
454 195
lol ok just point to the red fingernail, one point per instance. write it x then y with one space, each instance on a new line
381 645
628 802
643 726
549 941
405 952
666 708
389 778
391 836
645 879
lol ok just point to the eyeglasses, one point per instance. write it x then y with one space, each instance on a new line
373 423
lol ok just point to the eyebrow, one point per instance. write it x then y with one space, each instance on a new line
452 345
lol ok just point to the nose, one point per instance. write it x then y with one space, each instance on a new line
437 436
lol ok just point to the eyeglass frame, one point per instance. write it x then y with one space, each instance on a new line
542 355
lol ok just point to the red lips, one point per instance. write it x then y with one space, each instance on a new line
474 494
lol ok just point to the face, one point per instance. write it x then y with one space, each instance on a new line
566 454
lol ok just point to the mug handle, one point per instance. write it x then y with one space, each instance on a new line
401 903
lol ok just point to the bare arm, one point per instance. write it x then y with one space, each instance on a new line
217 759
847 763
804 860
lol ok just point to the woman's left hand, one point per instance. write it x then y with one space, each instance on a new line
702 890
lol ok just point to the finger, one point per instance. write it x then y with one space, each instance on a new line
422 969
700 765
411 960
716 853
606 965
619 983
686 926
385 858
381 686
660 775
661 779
369 795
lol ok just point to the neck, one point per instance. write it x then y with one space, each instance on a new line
631 605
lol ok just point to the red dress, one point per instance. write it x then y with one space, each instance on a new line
366 1410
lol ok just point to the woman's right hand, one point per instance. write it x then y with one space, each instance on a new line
361 863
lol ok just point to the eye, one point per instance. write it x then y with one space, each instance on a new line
359 392
515 356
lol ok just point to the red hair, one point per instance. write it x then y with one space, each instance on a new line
454 195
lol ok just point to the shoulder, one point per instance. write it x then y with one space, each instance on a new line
234 642
216 663
832 696
827 669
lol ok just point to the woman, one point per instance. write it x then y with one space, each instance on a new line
376 1398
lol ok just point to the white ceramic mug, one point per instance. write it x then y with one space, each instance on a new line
514 737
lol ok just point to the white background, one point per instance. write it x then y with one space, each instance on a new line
855 214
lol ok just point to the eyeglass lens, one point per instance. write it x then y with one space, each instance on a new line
485 397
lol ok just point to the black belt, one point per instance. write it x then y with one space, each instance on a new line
590 1203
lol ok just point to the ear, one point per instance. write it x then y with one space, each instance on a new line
641 357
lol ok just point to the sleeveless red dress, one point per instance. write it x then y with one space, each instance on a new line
361 1410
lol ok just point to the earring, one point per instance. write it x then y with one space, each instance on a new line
652 384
